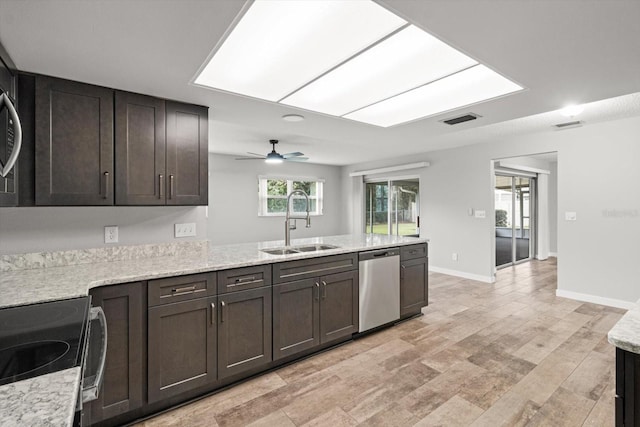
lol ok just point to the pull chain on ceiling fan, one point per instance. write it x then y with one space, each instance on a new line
274 156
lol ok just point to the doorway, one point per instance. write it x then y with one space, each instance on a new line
515 222
392 207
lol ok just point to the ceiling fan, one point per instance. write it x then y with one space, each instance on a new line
275 157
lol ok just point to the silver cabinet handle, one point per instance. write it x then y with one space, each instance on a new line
324 289
185 290
171 179
317 291
91 392
160 186
245 279
213 313
222 311
17 137
106 185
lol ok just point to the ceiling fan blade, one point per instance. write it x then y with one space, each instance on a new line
294 154
249 158
296 159
255 154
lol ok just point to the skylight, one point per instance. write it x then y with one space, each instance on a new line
351 59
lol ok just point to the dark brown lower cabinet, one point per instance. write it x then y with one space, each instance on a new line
338 306
182 347
244 331
121 392
627 400
414 278
311 312
296 317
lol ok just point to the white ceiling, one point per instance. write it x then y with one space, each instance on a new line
562 51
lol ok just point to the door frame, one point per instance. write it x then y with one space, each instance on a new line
533 206
388 180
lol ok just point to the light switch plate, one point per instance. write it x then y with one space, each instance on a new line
570 216
480 214
187 229
111 234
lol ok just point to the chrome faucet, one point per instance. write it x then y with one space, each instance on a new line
287 223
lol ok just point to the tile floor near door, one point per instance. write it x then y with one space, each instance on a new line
503 354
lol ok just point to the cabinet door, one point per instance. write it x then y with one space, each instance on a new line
244 331
140 150
338 305
74 143
413 285
182 347
187 151
296 317
121 391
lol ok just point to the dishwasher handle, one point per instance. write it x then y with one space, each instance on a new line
382 253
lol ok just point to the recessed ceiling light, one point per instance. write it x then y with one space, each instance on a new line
293 117
572 110
280 45
352 59
404 61
473 85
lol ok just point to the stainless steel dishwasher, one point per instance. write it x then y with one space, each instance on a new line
379 299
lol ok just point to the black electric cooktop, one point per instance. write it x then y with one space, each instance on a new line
41 338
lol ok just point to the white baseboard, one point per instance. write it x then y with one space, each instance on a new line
553 254
462 274
611 302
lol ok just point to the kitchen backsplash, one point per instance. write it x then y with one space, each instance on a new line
107 254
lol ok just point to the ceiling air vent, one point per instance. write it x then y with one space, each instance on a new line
567 125
461 119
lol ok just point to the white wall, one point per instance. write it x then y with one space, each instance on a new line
597 173
37 229
233 201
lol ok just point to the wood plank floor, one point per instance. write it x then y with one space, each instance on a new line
503 354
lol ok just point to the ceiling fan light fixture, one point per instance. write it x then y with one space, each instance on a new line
273 158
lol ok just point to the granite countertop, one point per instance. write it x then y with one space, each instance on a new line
20 287
626 333
46 400
49 400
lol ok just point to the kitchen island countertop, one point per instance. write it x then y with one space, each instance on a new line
29 286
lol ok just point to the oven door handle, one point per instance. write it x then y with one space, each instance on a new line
91 391
5 101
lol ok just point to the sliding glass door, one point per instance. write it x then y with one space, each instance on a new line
392 207
514 208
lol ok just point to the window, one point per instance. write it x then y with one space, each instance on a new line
273 192
392 207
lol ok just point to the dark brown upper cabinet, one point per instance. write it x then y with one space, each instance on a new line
187 151
73 143
140 150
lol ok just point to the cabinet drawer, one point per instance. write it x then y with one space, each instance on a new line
240 279
413 251
181 288
313 267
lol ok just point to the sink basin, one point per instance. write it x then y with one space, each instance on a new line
298 249
314 248
280 251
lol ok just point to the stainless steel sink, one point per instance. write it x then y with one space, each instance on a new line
314 248
299 249
280 251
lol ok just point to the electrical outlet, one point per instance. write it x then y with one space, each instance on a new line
454 257
570 216
187 229
111 234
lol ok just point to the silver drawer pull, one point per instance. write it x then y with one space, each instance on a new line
245 279
183 290
213 313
